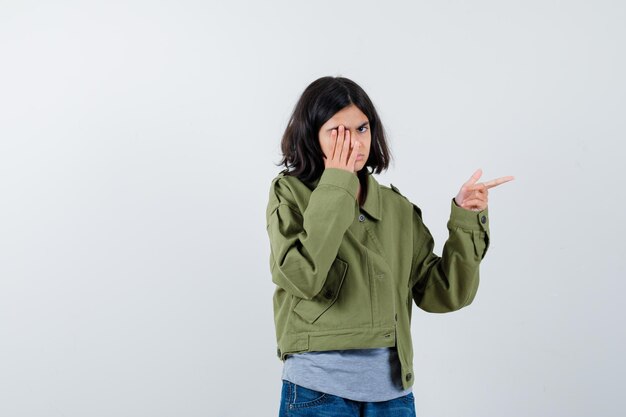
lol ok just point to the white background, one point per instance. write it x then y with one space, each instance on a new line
137 145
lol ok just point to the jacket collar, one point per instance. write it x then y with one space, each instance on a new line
372 202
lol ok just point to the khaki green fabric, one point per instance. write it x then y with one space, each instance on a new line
347 276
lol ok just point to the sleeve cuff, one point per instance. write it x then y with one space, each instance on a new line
468 219
340 178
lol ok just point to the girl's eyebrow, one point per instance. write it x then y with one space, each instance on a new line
360 126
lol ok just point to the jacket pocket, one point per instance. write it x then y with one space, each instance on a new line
311 310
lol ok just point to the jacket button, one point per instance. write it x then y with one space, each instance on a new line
483 219
361 218
328 294
409 376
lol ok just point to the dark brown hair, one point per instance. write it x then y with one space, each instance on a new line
302 154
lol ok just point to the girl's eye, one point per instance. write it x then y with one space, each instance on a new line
362 129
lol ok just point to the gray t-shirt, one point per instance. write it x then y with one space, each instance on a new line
357 374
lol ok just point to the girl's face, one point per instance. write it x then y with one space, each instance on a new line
355 121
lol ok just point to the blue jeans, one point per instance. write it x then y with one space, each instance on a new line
297 401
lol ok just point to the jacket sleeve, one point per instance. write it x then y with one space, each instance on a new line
304 245
448 283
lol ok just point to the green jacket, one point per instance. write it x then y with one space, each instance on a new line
346 275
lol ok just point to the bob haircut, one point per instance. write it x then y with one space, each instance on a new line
302 154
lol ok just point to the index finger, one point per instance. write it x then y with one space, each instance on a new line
498 181
475 177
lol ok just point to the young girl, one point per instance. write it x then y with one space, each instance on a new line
349 257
